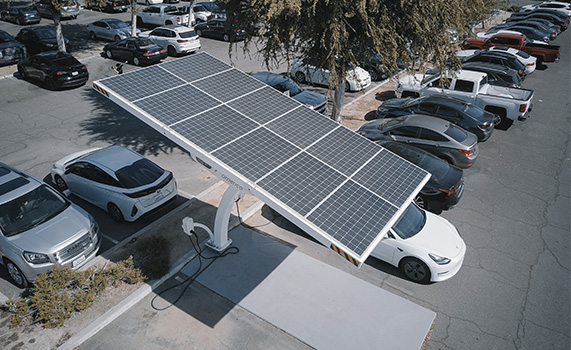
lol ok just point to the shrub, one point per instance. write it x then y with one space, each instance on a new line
57 294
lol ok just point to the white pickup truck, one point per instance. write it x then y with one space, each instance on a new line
470 86
163 14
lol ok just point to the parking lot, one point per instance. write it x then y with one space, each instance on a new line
514 288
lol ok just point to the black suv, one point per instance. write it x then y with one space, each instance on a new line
40 39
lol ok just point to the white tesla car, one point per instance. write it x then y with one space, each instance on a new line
116 179
425 246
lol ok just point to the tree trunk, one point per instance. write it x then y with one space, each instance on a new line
133 19
338 100
59 34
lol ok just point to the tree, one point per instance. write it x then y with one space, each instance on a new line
337 34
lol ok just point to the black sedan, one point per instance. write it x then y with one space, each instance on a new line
497 57
54 69
11 50
139 51
21 15
464 114
40 39
444 188
218 29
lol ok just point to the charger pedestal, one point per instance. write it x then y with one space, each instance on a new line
219 240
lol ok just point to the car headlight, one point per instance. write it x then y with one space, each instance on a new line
439 259
36 258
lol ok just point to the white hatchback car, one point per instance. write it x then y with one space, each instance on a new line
425 246
116 179
176 39
357 79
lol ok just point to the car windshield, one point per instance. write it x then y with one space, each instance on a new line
5 37
188 34
27 9
522 54
66 62
30 210
456 133
170 9
144 43
427 78
473 110
46 33
293 88
412 101
410 223
118 24
140 173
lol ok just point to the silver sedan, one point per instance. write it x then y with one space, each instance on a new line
110 29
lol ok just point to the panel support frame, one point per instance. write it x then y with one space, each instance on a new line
219 240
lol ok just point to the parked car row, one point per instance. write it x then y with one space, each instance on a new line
40 227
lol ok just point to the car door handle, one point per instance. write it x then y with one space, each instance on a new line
400 250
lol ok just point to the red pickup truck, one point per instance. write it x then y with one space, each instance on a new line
544 53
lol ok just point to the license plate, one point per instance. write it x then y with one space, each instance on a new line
74 73
78 261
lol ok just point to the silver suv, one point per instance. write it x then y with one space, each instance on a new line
40 228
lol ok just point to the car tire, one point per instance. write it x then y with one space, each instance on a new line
406 94
49 84
198 32
115 212
136 61
117 38
420 201
171 51
108 53
21 72
92 35
16 274
140 22
415 270
18 22
60 183
226 37
147 2
299 77
373 74
347 86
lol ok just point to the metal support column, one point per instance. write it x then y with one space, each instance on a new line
220 240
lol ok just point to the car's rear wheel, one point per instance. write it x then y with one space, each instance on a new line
21 72
136 61
226 37
299 77
198 32
115 212
373 74
60 183
415 270
92 35
171 51
18 21
16 274
420 201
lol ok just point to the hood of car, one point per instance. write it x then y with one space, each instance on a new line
438 236
358 73
394 103
311 98
53 234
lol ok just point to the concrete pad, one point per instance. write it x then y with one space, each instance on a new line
312 301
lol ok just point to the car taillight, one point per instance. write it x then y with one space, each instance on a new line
485 125
520 72
61 72
554 33
530 64
514 86
522 107
150 53
466 153
449 192
181 41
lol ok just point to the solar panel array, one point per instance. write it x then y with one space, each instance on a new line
344 185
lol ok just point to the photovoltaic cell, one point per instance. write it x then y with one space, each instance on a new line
256 153
344 150
299 126
214 128
264 105
302 182
353 216
228 85
340 185
143 82
177 104
200 66
389 177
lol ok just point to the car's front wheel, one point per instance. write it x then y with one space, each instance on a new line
60 183
198 32
21 72
115 212
415 270
136 61
171 51
226 37
92 36
108 53
299 77
16 274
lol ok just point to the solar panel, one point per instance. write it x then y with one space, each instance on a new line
336 185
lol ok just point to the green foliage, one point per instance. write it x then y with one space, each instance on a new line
57 294
336 34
